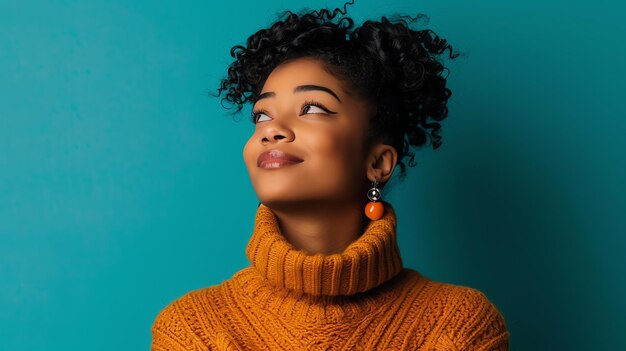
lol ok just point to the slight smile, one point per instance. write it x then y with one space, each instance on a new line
276 158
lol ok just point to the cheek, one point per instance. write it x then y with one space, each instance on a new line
336 150
248 155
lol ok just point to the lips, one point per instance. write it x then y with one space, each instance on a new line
276 158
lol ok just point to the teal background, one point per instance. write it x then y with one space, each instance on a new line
122 184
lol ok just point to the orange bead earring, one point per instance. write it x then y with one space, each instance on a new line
374 210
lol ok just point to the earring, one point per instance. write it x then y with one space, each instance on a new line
374 210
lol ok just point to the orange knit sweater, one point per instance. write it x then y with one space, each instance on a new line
360 299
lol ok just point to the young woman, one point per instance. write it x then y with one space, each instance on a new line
335 110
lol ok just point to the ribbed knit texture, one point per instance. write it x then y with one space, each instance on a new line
360 299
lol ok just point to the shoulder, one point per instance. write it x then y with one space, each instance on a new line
184 307
479 322
188 306
453 296
464 317
204 306
468 300
180 322
473 321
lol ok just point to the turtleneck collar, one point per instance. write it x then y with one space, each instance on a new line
372 259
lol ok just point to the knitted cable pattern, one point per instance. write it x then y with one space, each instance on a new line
360 299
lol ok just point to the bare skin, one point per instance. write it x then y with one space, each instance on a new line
320 201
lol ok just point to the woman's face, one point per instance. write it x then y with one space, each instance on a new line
329 139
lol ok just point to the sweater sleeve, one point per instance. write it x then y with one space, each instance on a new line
170 332
482 326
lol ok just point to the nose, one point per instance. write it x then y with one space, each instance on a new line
277 132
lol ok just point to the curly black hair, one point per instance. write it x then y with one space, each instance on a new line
395 69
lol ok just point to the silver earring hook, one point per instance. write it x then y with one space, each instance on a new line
374 193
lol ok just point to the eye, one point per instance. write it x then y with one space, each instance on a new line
256 114
315 105
307 108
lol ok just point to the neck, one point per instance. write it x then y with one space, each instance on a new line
367 262
321 228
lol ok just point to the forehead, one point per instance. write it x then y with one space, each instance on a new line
301 71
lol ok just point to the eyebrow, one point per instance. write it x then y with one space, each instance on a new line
300 88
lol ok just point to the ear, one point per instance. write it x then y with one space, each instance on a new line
381 162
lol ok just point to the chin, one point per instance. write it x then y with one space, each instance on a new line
270 196
285 195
